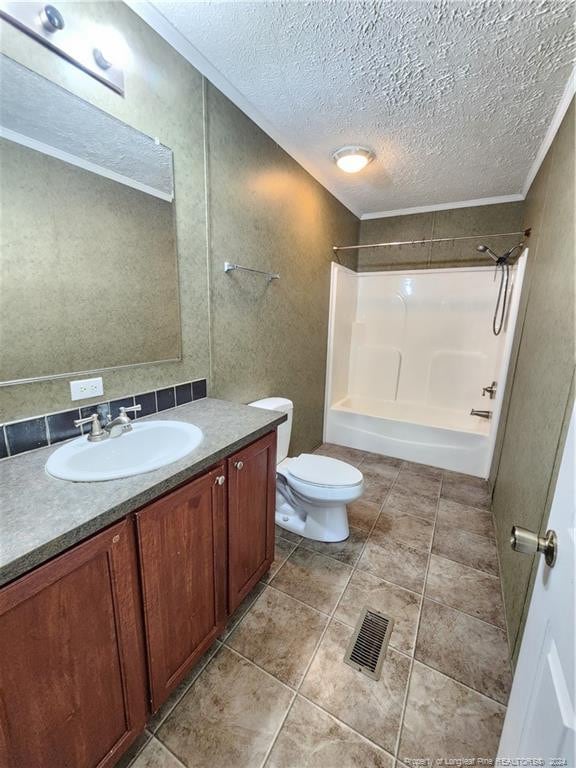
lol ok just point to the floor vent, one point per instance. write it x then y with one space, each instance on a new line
368 644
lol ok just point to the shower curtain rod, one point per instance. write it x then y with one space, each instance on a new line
335 248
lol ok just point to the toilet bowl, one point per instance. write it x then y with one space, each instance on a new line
312 491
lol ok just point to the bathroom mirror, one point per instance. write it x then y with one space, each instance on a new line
88 257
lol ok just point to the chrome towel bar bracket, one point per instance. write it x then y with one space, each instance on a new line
229 267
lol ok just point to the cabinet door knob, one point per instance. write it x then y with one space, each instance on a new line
238 464
220 480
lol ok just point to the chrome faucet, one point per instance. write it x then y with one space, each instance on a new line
113 428
481 414
122 423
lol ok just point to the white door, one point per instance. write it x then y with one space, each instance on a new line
540 721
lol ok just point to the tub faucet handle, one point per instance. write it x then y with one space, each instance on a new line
491 390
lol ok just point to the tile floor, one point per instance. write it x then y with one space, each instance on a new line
274 690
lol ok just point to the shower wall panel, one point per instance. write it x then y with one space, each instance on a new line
425 338
343 299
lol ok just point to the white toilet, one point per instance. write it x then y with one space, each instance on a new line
312 491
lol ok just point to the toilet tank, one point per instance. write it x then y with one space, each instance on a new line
284 429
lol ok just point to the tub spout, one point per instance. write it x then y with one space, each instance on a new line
481 414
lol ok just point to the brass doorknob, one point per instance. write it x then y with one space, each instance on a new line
529 543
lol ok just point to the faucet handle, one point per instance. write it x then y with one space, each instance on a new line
87 420
96 432
491 390
130 409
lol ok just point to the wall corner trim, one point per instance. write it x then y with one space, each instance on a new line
561 110
444 206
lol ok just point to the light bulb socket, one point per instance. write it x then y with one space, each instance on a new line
51 18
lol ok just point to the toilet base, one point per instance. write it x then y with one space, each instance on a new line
322 523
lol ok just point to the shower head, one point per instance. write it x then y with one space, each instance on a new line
489 251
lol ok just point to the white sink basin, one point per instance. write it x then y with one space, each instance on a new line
149 445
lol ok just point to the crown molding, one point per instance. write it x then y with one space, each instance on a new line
160 24
561 110
444 206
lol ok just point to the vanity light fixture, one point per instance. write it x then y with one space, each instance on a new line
100 51
352 159
111 49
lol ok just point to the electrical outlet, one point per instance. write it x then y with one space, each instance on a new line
85 388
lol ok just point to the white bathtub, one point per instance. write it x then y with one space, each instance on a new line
408 356
427 435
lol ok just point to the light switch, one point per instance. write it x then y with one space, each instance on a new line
85 388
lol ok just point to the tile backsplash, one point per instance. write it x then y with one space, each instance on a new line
40 431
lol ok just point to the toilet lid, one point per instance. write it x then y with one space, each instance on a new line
323 470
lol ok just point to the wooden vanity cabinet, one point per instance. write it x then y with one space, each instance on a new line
72 671
182 543
202 548
251 508
75 633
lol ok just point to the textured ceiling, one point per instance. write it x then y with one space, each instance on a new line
455 96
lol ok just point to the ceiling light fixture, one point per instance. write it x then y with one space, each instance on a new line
352 159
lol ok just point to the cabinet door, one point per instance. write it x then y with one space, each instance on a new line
251 509
182 541
72 672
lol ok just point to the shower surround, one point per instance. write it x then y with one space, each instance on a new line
409 354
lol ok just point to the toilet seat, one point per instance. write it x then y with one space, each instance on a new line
323 471
312 494
321 479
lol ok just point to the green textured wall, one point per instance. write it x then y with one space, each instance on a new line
540 391
269 338
456 222
239 197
